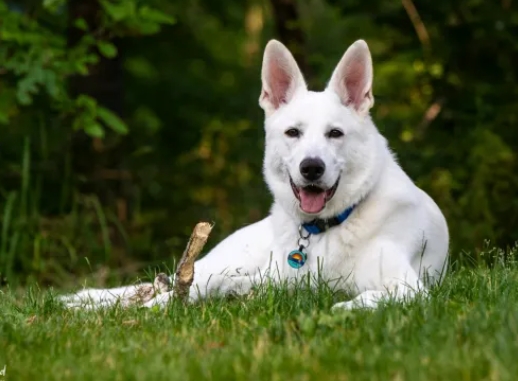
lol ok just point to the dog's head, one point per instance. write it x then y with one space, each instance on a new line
320 146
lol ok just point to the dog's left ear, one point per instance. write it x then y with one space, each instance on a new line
281 77
352 78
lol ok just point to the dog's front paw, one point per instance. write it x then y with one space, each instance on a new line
160 301
366 300
353 305
344 306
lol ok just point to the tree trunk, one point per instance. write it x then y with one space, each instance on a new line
289 31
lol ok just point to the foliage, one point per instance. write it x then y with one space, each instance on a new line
465 330
156 118
37 61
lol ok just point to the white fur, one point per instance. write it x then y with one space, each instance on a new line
394 239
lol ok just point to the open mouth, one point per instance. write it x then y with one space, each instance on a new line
313 198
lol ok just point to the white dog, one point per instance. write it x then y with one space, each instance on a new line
343 207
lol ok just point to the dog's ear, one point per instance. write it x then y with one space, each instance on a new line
352 78
281 77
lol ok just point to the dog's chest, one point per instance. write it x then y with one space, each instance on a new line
330 254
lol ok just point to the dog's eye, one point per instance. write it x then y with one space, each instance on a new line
335 133
292 133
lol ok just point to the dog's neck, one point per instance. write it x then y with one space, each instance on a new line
320 225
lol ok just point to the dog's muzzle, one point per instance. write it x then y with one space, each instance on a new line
313 198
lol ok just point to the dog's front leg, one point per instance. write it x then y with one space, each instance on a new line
212 284
383 272
233 266
370 299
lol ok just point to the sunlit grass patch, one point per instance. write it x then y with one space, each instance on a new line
466 330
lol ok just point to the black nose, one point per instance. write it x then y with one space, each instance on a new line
312 168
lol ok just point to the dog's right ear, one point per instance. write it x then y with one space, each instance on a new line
352 78
281 77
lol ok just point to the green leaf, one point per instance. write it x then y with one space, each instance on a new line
26 87
81 68
107 49
81 24
147 28
150 14
87 102
51 83
4 117
94 129
53 5
118 11
112 120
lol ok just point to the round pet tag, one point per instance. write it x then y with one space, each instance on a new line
297 258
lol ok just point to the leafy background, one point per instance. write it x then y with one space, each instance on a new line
123 123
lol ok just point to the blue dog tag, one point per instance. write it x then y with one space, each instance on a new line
297 258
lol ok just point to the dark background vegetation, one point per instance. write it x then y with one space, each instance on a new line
123 123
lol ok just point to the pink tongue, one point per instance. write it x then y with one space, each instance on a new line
311 202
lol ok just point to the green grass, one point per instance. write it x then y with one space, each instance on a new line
466 330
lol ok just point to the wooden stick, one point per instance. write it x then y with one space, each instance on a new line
185 270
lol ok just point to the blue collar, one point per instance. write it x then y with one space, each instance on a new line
318 226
